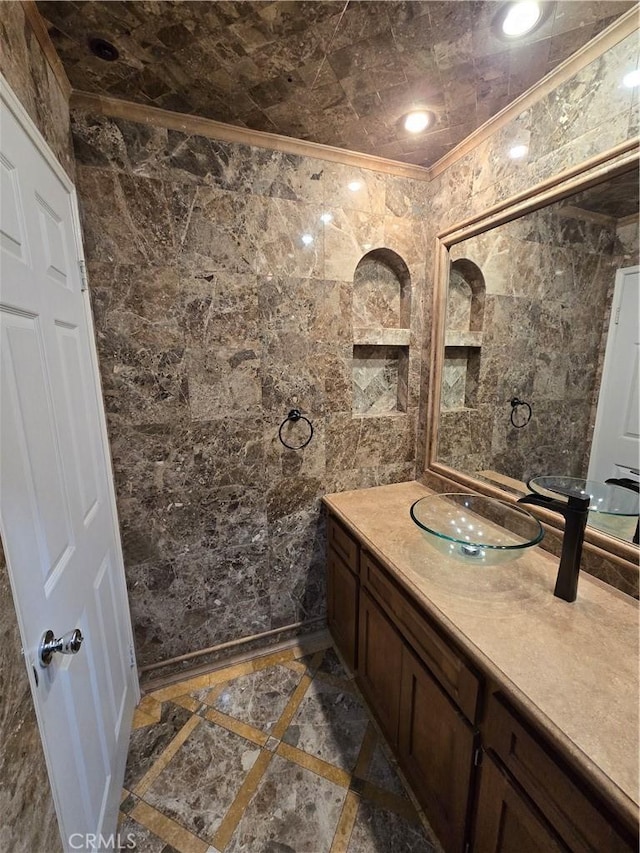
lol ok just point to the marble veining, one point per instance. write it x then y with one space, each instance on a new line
320 781
213 319
326 72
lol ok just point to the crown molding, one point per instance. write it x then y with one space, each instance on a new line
39 29
623 27
198 126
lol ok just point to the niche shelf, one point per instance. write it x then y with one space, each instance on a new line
381 336
463 336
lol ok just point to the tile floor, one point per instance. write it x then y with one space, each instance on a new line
276 755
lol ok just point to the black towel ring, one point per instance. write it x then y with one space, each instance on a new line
295 415
515 405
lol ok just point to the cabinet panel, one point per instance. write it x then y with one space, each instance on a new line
436 749
448 667
379 662
583 823
342 607
505 821
342 542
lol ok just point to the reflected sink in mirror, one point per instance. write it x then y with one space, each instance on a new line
612 508
476 529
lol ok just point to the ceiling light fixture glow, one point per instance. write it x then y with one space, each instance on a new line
518 152
307 239
521 18
417 121
354 186
631 79
326 217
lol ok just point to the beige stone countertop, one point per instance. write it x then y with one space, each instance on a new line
573 667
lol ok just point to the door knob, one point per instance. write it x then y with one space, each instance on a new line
67 645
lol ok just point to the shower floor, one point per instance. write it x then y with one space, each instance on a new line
276 755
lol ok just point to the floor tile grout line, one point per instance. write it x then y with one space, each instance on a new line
365 754
165 756
314 764
291 707
346 822
225 674
349 813
236 810
238 727
167 829
389 801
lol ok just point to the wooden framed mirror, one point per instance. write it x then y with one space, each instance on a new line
522 309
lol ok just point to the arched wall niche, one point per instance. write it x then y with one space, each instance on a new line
381 320
381 291
463 335
465 302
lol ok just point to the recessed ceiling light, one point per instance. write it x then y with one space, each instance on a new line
521 18
326 217
631 79
307 239
417 121
354 186
518 151
103 49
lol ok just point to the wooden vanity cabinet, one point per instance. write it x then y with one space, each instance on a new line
579 816
505 819
487 776
343 585
436 748
379 665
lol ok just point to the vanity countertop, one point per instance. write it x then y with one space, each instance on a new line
573 667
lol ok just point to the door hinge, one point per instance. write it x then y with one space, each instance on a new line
477 756
617 317
83 275
132 657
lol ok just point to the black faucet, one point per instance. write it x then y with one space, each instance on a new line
575 513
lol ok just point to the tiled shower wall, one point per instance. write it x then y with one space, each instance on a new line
27 817
213 320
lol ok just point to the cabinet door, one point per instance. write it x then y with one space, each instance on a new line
506 822
342 607
379 662
436 751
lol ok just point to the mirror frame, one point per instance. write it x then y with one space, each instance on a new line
611 163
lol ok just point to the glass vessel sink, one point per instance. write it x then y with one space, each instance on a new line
476 529
604 497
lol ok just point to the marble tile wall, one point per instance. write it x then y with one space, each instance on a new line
28 820
213 319
29 74
547 277
585 116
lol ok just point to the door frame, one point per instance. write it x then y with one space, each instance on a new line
608 364
9 100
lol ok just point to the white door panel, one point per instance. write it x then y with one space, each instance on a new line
57 506
616 439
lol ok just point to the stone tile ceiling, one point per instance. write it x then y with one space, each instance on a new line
340 73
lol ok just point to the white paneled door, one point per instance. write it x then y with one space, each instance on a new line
615 450
57 507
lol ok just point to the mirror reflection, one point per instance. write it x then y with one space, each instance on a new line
540 369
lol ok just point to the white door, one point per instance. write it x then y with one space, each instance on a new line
57 508
615 450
